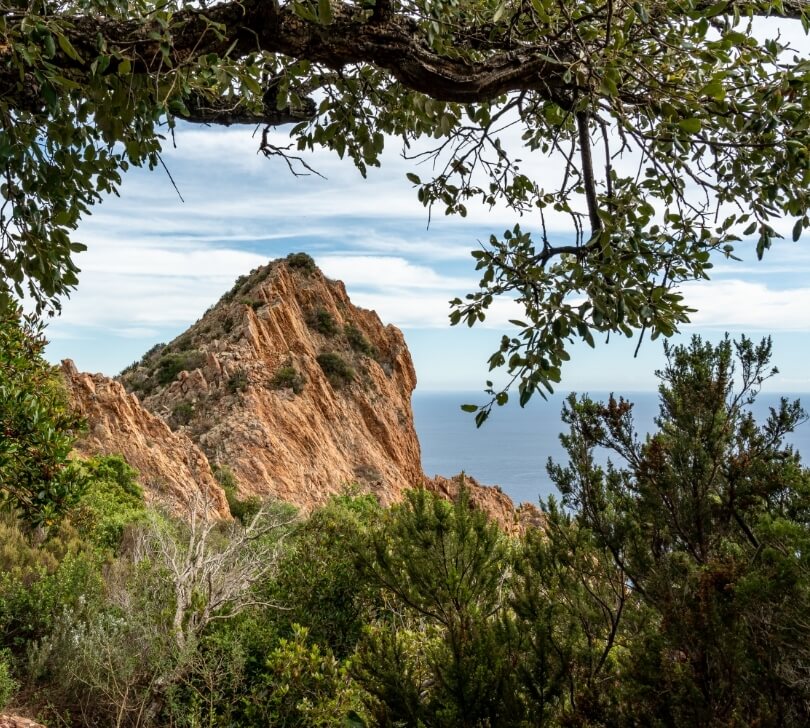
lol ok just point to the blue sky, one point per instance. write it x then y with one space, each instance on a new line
155 264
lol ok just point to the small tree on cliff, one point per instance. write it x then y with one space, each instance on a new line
717 121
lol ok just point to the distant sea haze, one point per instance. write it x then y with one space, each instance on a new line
512 447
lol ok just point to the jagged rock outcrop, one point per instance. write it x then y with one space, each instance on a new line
490 499
172 469
291 387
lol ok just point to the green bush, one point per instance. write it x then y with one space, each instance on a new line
37 427
323 322
228 296
238 381
448 659
304 686
8 685
183 343
288 377
254 303
182 413
241 509
358 341
171 364
318 583
35 592
224 476
153 351
337 370
302 262
112 500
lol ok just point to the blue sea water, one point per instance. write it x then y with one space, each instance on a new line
514 444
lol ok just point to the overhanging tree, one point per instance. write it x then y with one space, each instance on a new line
670 128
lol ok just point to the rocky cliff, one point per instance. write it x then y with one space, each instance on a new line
291 387
284 386
491 499
173 471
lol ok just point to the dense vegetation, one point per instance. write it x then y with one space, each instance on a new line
668 588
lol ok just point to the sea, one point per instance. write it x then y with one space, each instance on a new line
512 447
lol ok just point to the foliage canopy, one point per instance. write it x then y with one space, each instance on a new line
670 128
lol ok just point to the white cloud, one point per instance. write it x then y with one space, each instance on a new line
419 310
220 264
744 305
383 272
133 290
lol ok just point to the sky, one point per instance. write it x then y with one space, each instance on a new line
155 263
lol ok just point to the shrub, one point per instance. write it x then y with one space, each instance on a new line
227 324
254 303
241 509
238 381
302 262
288 377
39 587
358 341
225 476
304 686
238 283
182 413
318 585
37 427
183 343
8 685
170 365
112 500
130 368
336 369
154 351
323 322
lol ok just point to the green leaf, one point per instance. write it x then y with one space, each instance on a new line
325 12
714 89
67 48
252 85
469 407
797 229
50 46
692 125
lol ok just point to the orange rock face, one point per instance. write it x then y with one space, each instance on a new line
258 401
172 469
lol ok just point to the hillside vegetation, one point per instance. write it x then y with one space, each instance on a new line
668 589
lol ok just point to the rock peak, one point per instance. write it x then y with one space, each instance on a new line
291 387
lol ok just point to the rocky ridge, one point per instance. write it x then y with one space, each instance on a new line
285 387
172 468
